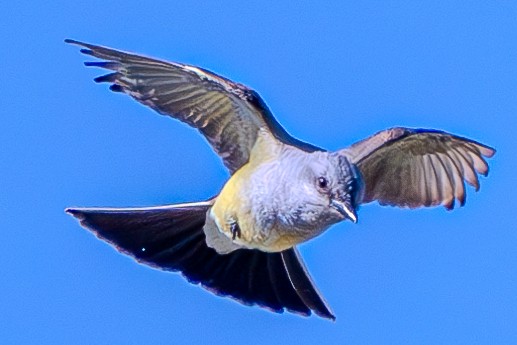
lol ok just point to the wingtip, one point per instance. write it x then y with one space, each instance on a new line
448 206
87 47
74 212
107 78
485 173
328 315
488 151
72 41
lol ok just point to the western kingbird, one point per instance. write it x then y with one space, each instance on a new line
282 191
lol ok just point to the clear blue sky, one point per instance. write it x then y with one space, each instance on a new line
332 73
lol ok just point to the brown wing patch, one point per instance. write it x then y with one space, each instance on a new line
413 168
228 114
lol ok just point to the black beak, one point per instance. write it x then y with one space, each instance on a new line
345 209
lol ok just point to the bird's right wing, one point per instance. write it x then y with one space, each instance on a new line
418 167
228 114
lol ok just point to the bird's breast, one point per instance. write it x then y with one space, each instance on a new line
267 201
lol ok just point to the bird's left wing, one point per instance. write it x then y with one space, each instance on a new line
228 114
418 167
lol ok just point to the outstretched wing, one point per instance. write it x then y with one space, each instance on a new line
228 114
418 167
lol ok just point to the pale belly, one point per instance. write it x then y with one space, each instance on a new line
267 203
261 230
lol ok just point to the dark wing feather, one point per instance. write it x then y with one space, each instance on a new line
228 114
417 167
171 238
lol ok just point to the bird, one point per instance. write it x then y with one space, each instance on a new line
242 243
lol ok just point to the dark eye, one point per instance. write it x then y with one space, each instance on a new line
322 182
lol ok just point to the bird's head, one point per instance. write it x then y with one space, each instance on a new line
334 185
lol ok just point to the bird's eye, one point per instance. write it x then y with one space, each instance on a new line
322 182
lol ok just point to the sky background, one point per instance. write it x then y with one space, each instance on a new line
332 73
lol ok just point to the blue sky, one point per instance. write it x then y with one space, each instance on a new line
332 73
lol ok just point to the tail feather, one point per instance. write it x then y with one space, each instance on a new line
171 238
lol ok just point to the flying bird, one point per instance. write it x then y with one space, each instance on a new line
282 191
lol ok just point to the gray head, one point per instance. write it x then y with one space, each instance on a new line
332 188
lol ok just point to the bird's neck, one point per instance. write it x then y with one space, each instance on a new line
266 148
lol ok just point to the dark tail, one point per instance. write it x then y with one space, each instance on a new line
171 238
